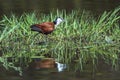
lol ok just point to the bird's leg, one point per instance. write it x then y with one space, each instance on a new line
46 39
34 38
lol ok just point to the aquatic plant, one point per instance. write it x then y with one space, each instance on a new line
81 38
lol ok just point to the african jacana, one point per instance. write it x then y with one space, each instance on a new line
46 27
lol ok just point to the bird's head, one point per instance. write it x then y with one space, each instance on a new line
58 20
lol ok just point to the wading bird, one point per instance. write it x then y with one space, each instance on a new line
46 27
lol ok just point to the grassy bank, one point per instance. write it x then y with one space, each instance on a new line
81 38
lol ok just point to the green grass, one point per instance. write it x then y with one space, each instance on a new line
81 38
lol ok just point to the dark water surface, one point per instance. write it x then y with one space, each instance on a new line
45 6
101 73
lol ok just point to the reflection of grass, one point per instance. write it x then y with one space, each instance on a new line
81 37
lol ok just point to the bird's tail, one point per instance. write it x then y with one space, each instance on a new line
35 28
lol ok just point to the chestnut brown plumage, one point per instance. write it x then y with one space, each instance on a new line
46 27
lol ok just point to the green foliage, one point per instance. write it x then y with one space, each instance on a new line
80 38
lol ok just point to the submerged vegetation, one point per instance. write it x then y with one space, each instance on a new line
81 38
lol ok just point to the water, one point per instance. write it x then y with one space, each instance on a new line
45 6
103 72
